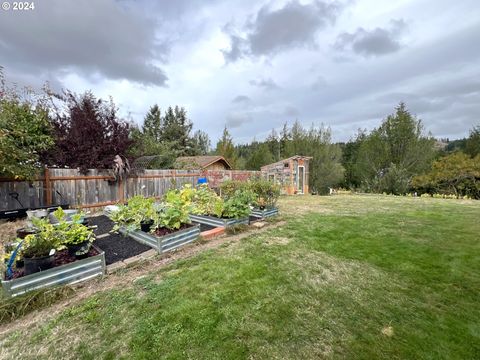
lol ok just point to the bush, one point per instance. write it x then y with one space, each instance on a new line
266 193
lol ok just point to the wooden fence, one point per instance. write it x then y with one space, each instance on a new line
98 188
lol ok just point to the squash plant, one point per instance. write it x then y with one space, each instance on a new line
174 211
130 216
207 202
238 205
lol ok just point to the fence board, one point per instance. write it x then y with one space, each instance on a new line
94 189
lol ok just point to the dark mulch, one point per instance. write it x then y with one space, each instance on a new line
118 247
165 231
103 223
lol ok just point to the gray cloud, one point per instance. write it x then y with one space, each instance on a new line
376 42
241 99
267 84
237 119
272 31
90 38
291 111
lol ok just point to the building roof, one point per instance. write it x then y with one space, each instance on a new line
202 161
295 157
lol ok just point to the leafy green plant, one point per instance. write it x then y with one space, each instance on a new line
130 216
238 205
174 211
207 202
72 232
229 187
40 244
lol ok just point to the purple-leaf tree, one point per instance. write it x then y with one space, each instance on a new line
88 133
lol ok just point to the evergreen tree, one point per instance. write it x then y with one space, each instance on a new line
260 156
201 143
152 125
274 145
284 139
176 130
394 152
226 149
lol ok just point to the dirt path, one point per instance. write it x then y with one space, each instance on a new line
124 277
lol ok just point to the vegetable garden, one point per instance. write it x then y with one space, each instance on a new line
61 247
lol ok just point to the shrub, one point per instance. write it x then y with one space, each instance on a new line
266 192
229 187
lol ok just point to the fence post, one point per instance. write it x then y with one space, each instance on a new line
48 187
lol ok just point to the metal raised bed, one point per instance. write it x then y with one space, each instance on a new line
217 222
167 242
262 214
77 271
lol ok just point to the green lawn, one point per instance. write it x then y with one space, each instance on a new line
358 277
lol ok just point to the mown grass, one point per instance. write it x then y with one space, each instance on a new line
364 277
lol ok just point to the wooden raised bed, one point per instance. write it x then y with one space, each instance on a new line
74 272
218 222
166 242
262 214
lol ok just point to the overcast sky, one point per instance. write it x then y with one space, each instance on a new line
253 65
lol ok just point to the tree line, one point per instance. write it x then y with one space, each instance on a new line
82 131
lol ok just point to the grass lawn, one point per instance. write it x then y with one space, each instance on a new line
358 277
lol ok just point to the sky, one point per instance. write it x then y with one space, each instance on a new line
254 65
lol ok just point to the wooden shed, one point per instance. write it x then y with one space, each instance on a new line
203 163
291 174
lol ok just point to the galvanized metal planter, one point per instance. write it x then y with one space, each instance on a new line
262 214
77 271
166 242
217 222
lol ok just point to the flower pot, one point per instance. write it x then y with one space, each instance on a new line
23 232
33 265
80 251
145 226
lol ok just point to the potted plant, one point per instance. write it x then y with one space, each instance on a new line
38 249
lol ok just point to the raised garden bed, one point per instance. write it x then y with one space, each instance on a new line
118 248
265 213
165 242
218 222
68 273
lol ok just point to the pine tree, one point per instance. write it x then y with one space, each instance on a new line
273 145
201 143
152 125
176 130
284 140
226 149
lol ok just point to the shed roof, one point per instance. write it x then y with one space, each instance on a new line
202 161
295 157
